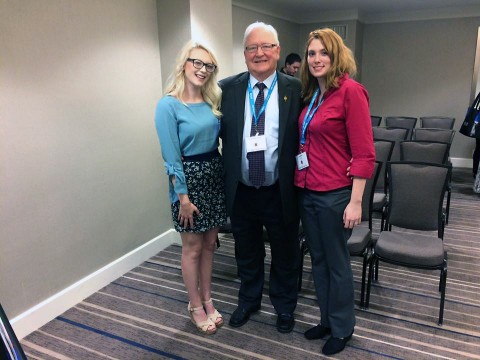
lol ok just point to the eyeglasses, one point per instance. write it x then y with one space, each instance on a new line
254 48
198 64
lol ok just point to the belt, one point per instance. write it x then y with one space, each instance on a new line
201 157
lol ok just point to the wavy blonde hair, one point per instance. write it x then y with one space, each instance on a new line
211 92
341 57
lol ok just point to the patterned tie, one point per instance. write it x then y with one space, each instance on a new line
256 159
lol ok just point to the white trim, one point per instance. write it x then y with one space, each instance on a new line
462 162
47 310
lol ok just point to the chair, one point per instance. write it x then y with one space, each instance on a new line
442 135
10 347
424 151
376 120
392 134
404 122
419 210
431 134
360 241
437 122
383 153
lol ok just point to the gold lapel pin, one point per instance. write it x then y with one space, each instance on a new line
285 98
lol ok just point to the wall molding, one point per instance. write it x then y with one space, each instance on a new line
462 163
40 314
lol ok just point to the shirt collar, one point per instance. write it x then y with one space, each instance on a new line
268 81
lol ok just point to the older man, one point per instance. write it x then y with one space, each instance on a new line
260 140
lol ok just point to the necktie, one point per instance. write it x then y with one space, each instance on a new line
256 159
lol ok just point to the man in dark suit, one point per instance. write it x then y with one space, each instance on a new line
260 140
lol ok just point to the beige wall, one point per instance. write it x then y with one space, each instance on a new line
82 181
421 68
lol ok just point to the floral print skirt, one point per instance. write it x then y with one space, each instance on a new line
207 192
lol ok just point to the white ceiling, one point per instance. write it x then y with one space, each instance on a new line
308 11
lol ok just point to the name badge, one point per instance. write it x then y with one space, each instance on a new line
302 161
256 143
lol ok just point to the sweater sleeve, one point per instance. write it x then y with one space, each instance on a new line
359 131
167 131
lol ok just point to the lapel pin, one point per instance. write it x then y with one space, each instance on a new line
285 98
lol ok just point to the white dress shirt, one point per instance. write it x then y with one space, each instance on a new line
271 131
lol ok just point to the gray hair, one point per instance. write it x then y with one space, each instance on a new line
260 25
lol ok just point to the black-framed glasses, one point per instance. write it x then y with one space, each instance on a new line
254 48
198 64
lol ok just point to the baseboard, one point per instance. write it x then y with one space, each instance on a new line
47 310
462 162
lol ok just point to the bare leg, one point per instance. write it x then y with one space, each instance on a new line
192 245
206 265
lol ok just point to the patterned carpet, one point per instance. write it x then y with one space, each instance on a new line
143 314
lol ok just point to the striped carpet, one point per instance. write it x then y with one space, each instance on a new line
143 314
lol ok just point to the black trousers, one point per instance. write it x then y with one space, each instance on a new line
476 157
322 221
253 210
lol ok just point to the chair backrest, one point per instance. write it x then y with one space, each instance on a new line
367 200
392 134
376 120
416 192
437 122
383 153
424 151
404 122
429 134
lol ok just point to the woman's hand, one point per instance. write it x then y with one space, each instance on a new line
186 212
352 215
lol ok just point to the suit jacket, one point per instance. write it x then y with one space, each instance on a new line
234 91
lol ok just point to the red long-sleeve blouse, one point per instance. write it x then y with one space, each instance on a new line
340 130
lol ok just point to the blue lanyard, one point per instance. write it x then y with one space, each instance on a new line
309 115
252 103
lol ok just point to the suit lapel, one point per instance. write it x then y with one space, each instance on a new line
284 100
240 93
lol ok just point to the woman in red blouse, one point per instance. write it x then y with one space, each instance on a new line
335 128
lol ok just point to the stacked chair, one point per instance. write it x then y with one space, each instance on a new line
439 135
437 122
425 151
404 122
376 120
395 135
383 154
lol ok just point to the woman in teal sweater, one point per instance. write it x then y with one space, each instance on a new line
187 122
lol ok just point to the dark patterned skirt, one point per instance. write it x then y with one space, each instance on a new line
206 191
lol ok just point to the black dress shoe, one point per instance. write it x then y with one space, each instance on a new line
317 332
334 345
285 323
241 315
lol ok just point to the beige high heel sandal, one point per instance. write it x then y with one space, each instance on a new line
207 326
216 317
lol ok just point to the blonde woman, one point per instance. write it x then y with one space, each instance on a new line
188 125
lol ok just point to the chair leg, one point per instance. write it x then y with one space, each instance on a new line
447 210
364 273
442 297
369 281
303 251
376 270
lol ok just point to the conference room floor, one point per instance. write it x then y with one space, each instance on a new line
143 314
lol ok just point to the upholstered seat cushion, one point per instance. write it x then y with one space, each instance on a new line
410 249
379 200
361 236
